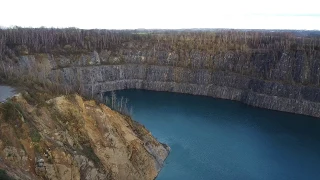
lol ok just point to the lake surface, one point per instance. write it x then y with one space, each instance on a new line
226 140
6 92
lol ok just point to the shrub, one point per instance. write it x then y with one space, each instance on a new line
35 136
4 175
10 111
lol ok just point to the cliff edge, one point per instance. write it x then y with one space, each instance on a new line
68 137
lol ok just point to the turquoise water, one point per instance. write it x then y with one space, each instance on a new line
226 140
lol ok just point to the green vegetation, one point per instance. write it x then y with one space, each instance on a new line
11 111
4 175
35 136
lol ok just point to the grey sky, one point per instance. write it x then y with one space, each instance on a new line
128 14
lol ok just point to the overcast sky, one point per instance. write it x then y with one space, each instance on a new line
173 14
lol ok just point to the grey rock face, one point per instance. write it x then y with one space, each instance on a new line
285 81
255 92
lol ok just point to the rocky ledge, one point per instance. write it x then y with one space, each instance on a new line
68 137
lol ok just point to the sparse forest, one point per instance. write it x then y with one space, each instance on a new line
23 41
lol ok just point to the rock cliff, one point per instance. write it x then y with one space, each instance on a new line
67 138
98 72
273 70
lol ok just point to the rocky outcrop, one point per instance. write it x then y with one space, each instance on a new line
70 138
